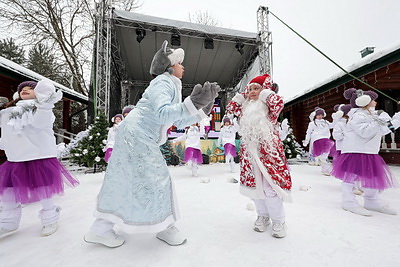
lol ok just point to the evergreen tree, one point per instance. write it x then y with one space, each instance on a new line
11 51
89 151
167 151
292 148
42 60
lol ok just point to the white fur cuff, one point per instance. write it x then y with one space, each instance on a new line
190 106
265 94
192 109
238 98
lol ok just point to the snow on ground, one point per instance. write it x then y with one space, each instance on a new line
218 226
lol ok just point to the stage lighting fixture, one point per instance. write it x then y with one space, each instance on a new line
175 39
140 35
239 48
208 43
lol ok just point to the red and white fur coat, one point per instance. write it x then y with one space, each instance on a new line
261 151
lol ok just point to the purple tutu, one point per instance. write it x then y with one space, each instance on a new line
230 150
322 146
193 154
107 155
35 180
368 169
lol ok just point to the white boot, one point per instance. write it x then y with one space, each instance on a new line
372 202
260 225
102 232
10 217
349 202
171 236
278 229
49 220
109 239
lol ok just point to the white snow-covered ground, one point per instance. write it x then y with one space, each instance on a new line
218 226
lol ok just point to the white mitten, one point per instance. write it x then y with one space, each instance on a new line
384 116
396 120
46 94
305 143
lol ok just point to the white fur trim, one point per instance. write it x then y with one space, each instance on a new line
312 116
192 109
177 56
363 100
339 114
202 114
264 94
238 98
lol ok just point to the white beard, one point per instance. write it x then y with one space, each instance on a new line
255 127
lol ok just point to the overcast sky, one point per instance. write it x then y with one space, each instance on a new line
339 28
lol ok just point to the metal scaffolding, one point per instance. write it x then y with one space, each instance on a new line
101 92
265 41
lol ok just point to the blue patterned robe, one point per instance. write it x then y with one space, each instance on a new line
137 188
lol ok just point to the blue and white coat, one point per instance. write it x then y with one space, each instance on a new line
137 188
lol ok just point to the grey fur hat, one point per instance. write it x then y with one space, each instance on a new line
165 58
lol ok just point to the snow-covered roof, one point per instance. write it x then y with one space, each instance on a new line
361 63
14 67
183 25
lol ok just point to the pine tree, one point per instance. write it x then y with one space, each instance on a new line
292 148
89 151
11 51
167 151
42 61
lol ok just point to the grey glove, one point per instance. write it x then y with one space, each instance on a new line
201 96
207 109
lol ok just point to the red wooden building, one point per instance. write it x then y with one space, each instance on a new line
380 69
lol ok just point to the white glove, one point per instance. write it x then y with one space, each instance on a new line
384 116
305 143
285 125
46 93
396 120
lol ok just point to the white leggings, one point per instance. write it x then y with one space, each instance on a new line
272 205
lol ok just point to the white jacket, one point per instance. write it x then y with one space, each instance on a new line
338 132
318 129
111 136
35 140
363 132
227 135
192 137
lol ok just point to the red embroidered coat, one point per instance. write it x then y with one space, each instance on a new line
275 165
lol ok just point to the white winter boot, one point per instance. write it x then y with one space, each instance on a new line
372 202
278 229
49 220
260 225
171 236
109 239
349 202
10 217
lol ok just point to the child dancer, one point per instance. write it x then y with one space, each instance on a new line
32 172
227 137
264 175
318 134
340 119
359 160
193 155
111 136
